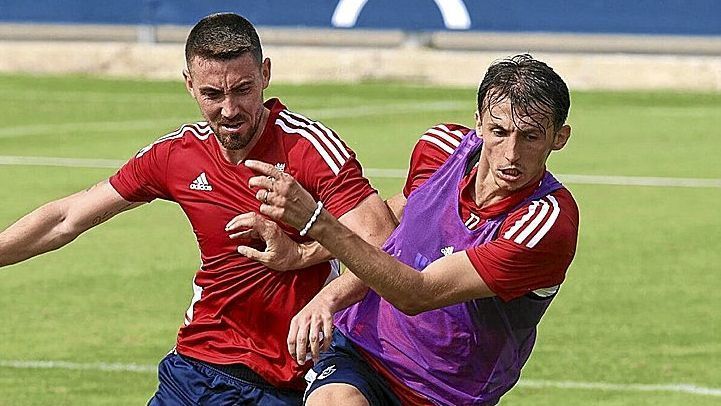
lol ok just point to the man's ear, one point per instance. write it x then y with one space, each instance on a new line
479 123
561 137
265 70
188 82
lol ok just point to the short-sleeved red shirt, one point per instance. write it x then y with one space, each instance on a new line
241 310
536 242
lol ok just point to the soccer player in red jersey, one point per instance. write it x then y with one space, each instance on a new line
485 238
232 345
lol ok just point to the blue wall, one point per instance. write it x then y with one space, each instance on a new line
687 17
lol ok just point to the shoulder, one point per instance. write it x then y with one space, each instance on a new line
191 132
444 137
430 152
552 219
313 140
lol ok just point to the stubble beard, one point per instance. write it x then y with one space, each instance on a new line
235 142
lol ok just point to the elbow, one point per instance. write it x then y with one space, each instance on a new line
412 306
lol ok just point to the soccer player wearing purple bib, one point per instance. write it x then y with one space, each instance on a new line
460 286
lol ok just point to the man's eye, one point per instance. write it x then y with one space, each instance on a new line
213 95
498 132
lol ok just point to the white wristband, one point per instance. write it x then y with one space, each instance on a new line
313 218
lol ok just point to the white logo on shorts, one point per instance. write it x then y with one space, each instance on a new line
326 372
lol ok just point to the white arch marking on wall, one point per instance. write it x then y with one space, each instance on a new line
346 13
454 12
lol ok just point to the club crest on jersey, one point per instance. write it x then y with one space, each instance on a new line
280 166
326 372
446 251
201 183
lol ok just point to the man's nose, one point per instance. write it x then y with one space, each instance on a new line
512 151
229 108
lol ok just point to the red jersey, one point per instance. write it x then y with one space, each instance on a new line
241 310
536 242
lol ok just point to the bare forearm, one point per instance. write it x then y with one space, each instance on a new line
343 291
312 253
38 232
57 223
395 281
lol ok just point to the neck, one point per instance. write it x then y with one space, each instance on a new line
236 156
485 190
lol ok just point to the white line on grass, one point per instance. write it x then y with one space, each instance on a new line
385 173
526 383
621 387
150 124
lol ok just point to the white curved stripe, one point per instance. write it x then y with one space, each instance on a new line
442 145
334 138
547 225
534 223
547 292
455 14
457 133
179 133
339 159
444 136
329 134
520 222
346 13
314 141
149 147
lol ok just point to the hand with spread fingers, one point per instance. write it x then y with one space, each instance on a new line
281 253
282 198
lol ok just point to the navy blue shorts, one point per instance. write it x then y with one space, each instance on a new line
184 381
343 364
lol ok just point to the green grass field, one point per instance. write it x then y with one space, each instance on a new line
640 306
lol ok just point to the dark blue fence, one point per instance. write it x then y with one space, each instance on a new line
675 17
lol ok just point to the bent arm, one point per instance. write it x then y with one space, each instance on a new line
446 281
451 279
372 223
57 223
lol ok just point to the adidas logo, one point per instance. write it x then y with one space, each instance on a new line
201 183
447 251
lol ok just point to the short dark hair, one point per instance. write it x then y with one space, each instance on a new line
222 36
531 86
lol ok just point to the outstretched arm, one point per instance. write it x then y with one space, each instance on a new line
449 280
57 223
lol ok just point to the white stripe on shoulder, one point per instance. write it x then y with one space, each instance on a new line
300 121
326 135
331 135
313 140
520 222
448 138
200 130
547 226
457 133
442 145
531 227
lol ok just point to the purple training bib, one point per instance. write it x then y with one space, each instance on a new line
466 354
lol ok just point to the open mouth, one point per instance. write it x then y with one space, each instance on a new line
230 127
510 174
